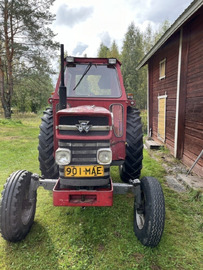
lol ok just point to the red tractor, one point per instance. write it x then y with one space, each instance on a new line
91 125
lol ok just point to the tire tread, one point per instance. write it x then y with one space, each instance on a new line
48 167
10 225
153 228
132 166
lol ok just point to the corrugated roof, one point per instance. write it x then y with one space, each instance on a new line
192 8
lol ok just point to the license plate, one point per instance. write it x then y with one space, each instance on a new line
84 171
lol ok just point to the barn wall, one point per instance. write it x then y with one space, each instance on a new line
167 86
190 116
193 137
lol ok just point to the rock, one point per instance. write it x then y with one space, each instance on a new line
174 184
194 182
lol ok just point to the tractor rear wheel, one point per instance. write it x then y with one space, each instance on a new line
48 167
132 166
149 213
17 206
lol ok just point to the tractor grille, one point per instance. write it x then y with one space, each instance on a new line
96 126
84 153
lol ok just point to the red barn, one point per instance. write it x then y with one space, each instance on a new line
175 87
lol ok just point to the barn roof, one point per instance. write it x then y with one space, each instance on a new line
191 9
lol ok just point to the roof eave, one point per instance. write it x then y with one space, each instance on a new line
174 27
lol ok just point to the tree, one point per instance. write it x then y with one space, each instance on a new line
103 51
106 52
148 39
114 52
135 46
132 53
31 93
163 27
25 41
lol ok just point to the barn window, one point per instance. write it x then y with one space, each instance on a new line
162 69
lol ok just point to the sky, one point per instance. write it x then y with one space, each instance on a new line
81 25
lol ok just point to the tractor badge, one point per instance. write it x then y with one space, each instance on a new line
83 126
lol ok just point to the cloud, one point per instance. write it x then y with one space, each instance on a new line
80 48
71 16
159 10
82 23
105 38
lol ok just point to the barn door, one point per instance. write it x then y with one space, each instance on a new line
162 117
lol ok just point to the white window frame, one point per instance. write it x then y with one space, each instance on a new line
162 63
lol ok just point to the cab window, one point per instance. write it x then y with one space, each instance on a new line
86 80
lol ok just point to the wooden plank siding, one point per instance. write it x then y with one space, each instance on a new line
189 117
164 86
193 136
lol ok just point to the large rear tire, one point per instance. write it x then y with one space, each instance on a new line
17 206
131 169
48 167
149 216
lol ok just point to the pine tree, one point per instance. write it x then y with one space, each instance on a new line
103 51
114 52
25 41
148 39
161 30
132 53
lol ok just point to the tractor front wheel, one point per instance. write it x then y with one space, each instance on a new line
17 206
149 213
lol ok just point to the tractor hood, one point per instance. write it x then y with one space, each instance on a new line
84 123
85 110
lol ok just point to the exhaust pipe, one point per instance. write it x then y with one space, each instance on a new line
62 88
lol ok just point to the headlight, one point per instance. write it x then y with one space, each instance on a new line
63 156
104 156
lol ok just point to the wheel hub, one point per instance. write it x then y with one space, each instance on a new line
140 219
27 206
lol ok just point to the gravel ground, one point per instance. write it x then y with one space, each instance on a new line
176 177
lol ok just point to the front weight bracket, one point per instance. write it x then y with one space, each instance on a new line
38 181
123 188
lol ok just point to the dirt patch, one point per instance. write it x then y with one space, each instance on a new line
10 138
101 248
138 257
176 177
117 234
155 267
174 184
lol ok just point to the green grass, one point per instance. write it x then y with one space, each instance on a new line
143 114
95 238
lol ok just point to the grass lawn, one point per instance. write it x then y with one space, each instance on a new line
95 238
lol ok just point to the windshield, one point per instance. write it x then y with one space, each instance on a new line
89 80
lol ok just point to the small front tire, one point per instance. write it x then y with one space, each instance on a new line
149 216
17 206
